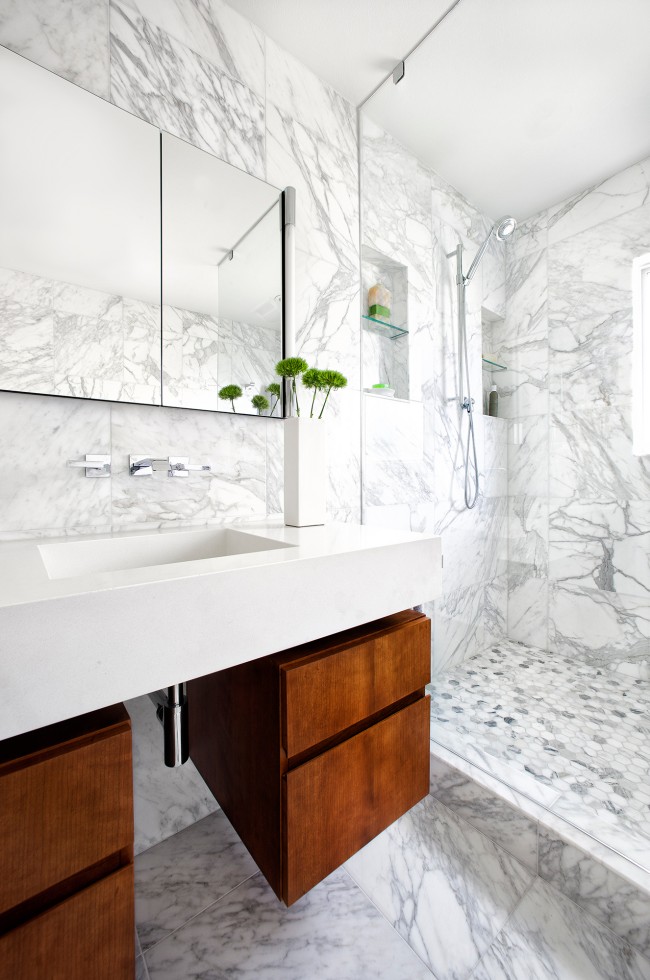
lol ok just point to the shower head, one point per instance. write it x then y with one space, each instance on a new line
502 230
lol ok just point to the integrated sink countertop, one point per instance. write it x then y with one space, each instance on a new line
89 621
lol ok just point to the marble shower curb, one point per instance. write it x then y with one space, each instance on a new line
605 884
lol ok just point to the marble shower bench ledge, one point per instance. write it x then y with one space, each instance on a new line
610 887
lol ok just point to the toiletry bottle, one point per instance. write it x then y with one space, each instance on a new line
493 402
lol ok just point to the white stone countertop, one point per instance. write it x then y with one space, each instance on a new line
74 644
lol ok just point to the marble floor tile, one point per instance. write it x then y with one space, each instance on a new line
445 887
184 875
550 938
333 933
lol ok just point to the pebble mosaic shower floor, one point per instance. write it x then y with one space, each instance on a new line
570 735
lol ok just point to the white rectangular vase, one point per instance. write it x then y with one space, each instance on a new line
305 471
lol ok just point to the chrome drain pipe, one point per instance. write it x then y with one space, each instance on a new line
171 711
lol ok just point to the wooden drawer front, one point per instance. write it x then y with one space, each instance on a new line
325 695
343 798
63 813
89 935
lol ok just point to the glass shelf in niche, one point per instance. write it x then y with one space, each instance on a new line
384 329
489 365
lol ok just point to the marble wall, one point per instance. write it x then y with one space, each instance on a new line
412 465
579 517
199 70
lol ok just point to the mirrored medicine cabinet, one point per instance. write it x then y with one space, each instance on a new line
134 267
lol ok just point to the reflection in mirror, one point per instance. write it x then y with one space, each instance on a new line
79 241
222 284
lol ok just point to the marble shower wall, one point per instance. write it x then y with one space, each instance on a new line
579 516
200 71
413 466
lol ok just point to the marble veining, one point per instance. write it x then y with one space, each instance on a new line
334 931
549 938
70 39
170 85
445 887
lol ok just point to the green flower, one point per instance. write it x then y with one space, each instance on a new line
329 381
260 403
291 367
313 379
274 389
229 393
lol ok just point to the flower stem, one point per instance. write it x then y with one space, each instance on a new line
325 403
311 411
232 402
295 391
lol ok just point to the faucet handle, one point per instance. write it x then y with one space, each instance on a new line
96 465
140 465
181 466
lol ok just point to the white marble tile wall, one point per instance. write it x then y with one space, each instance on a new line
578 516
413 218
59 338
205 73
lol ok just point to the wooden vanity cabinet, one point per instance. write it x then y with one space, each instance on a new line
314 751
66 826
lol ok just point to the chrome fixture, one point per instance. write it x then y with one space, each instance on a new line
502 230
175 466
171 711
181 466
96 465
398 72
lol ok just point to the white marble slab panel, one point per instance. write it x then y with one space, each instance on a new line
164 800
458 627
590 456
526 297
527 606
550 938
601 545
163 81
597 625
528 532
445 887
327 314
625 191
214 31
39 435
69 38
301 95
334 929
528 455
234 447
495 609
394 429
326 182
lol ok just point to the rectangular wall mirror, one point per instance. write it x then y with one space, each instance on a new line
81 238
222 283
79 241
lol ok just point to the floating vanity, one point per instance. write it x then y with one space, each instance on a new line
306 668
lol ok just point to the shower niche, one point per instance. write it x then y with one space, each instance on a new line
385 335
490 362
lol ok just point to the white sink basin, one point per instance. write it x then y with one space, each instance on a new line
72 559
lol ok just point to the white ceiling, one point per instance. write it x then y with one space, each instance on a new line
517 103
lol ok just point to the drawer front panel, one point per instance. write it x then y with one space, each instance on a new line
63 814
89 935
325 695
337 802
